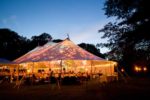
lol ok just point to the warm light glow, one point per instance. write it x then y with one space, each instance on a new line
122 70
28 71
114 63
140 68
145 69
5 67
84 62
86 69
137 68
56 68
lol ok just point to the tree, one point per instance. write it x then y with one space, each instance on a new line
40 40
129 38
92 49
57 40
11 44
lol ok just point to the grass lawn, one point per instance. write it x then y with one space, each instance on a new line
133 89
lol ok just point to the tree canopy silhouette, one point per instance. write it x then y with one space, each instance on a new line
57 40
41 39
92 49
129 37
11 44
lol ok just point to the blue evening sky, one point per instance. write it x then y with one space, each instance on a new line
80 18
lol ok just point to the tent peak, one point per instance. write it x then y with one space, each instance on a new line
67 39
68 36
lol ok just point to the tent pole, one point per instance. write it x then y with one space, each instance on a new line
91 69
50 71
17 80
17 73
49 65
32 67
110 68
59 76
11 75
111 78
61 66
32 73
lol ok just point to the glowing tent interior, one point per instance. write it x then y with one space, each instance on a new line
6 67
64 57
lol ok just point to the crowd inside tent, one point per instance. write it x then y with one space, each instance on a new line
58 61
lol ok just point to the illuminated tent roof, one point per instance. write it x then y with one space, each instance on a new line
65 50
37 50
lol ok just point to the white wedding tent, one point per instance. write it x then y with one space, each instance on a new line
65 56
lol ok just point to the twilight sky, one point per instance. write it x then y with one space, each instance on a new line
80 18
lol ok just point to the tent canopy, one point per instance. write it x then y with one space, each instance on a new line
36 51
65 55
65 50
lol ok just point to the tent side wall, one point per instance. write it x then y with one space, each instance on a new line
94 68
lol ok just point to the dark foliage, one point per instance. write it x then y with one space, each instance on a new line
92 49
11 44
129 38
40 40
57 40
